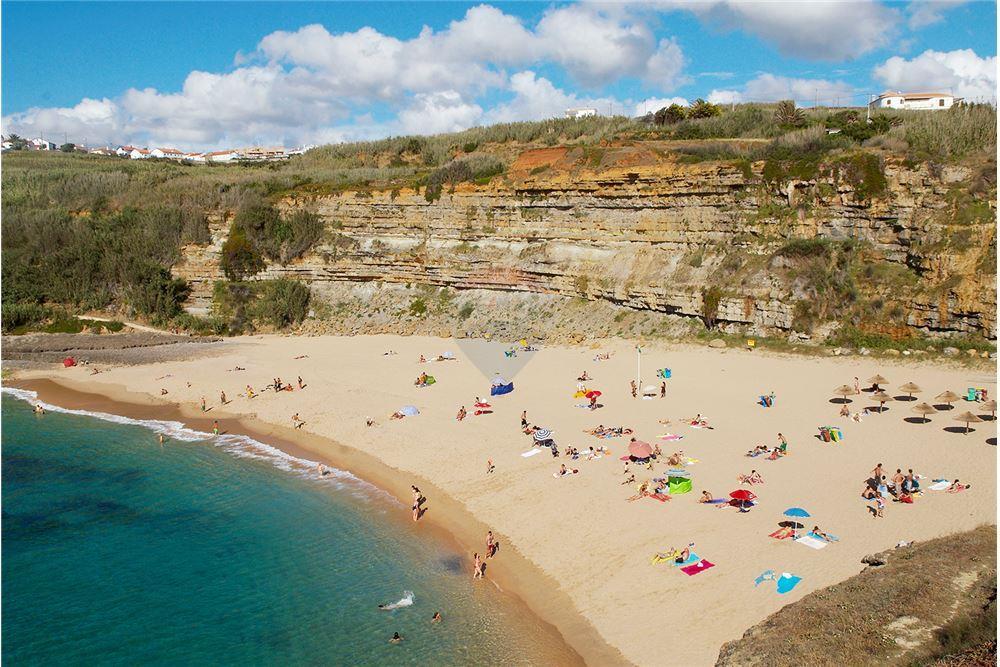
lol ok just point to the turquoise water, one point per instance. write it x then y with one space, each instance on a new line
117 551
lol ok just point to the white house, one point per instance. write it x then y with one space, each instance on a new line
167 153
138 154
41 145
913 101
580 113
221 156
194 157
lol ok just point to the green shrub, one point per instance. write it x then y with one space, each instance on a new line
19 315
281 302
466 311
418 307
239 258
711 297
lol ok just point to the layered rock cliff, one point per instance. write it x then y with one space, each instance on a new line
636 227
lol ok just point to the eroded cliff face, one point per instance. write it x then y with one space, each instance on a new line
633 226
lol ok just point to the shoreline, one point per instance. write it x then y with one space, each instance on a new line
448 520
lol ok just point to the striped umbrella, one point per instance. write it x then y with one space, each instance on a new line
542 435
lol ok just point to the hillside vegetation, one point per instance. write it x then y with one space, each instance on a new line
89 232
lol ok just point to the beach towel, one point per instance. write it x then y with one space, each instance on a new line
670 436
766 575
501 389
659 496
833 538
697 426
531 452
781 534
691 559
716 501
939 486
698 567
483 412
787 582
811 542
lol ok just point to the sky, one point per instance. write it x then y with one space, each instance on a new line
210 75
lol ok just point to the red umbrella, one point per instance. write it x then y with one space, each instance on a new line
640 449
69 361
743 494
593 394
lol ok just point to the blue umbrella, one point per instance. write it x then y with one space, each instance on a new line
796 511
409 410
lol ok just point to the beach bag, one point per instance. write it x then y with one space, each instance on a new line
664 373
824 433
835 434
971 395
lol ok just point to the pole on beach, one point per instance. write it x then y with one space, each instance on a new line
638 367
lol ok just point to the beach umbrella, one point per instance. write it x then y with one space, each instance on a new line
743 494
640 449
796 511
968 418
881 397
947 397
791 524
542 435
878 379
991 405
910 389
409 410
843 391
924 409
593 394
649 389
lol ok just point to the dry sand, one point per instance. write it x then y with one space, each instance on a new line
580 532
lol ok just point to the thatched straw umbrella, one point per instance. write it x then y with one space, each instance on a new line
991 405
878 379
924 409
882 399
910 389
968 418
844 391
948 397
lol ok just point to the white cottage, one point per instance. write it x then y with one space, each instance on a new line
913 101
167 153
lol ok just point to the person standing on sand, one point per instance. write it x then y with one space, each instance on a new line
222 397
635 389
215 427
663 389
490 544
877 471
879 505
857 386
524 419
477 567
204 406
489 466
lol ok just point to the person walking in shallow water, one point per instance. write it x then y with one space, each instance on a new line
477 566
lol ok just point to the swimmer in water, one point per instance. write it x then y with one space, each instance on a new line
215 427
396 638
436 618
161 438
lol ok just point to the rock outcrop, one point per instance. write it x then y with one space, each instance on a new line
637 228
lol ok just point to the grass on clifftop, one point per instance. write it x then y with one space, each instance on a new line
932 600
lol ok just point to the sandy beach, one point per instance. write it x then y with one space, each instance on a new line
574 548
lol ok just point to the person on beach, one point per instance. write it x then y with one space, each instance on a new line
684 555
879 505
583 377
297 421
422 360
301 384
396 638
524 419
663 389
877 472
706 497
322 470
163 392
222 397
845 411
204 405
635 389
38 409
159 436
490 544
461 413
477 567
489 466
215 427
821 535
956 486
910 483
782 443
897 482
418 501
436 618
857 386
250 393
593 403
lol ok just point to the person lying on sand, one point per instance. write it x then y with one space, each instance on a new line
163 392
756 451
706 497
388 353
396 415
676 459
753 478
461 413
956 487
641 492
563 471
821 535
684 554
629 480
584 377
422 360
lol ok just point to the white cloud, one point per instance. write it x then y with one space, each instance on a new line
922 13
812 30
772 88
432 113
303 84
962 72
654 104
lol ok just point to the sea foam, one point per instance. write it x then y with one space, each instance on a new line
241 446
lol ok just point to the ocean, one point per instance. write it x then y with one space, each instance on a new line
224 551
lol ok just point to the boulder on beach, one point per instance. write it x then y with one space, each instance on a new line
717 343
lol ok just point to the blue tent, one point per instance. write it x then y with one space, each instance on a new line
501 389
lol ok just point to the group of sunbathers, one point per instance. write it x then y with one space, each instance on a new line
773 453
590 453
602 431
753 478
902 488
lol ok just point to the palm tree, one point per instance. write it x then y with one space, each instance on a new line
702 109
786 114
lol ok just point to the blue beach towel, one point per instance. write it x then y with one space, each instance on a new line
766 575
787 582
833 538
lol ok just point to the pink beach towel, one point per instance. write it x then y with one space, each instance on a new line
700 566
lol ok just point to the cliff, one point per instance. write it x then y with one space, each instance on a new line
769 247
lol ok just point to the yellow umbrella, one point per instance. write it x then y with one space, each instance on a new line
968 418
924 409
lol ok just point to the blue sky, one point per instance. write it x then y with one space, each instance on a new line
206 75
